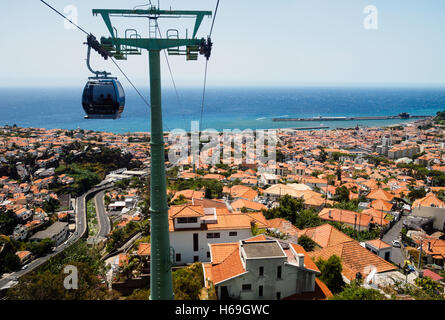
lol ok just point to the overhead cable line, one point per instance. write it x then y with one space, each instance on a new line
60 14
172 77
206 67
112 59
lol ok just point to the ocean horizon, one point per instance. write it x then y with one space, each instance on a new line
225 107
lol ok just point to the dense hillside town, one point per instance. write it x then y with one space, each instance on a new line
367 202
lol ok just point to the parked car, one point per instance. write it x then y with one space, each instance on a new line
25 267
396 244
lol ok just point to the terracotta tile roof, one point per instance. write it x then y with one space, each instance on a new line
429 201
22 254
345 216
436 248
321 292
240 191
260 237
186 211
325 235
220 251
378 217
189 175
381 205
283 225
354 258
231 221
243 203
214 176
144 249
189 194
432 275
229 267
378 244
380 194
259 219
210 203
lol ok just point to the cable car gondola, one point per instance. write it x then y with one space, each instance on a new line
103 97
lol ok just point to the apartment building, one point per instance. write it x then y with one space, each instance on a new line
263 269
193 227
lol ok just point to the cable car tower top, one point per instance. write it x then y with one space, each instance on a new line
162 255
120 48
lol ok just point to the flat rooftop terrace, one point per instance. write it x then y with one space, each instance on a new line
263 249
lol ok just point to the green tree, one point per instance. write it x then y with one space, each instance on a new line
341 194
9 262
8 221
47 281
338 173
294 211
139 294
431 287
416 194
354 291
307 243
331 273
208 193
40 248
188 282
51 205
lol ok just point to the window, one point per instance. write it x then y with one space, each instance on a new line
208 254
182 220
187 220
279 272
104 93
195 242
233 234
195 258
213 235
260 291
247 287
261 271
120 90
278 295
178 257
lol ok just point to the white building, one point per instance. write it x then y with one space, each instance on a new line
24 214
428 207
380 248
267 179
20 232
262 269
57 232
193 227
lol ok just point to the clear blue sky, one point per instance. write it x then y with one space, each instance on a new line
285 42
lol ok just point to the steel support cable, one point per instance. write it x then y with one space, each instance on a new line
206 68
172 78
112 59
134 87
60 14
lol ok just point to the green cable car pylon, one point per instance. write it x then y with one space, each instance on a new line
161 260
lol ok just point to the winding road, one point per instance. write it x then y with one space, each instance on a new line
102 218
81 231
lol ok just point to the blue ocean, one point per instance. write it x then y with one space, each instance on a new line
225 108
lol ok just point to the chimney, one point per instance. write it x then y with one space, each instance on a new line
429 246
330 214
300 260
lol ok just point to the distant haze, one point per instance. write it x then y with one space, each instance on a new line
257 43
